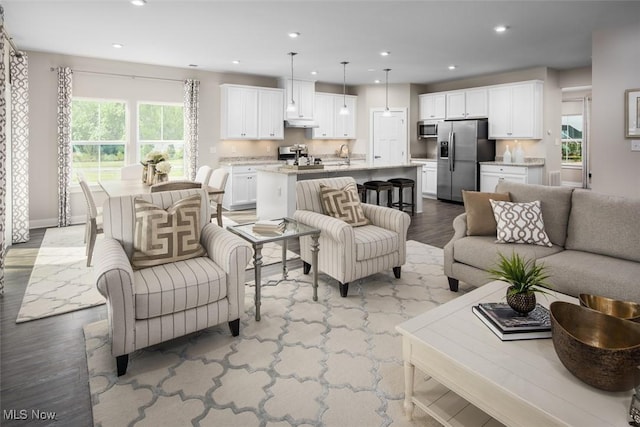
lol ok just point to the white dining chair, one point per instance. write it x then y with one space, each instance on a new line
131 172
203 174
94 218
218 180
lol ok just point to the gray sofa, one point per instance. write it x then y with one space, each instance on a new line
595 237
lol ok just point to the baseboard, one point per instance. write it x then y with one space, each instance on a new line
53 222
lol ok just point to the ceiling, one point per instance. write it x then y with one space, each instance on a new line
424 37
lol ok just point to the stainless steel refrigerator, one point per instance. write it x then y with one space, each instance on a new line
461 145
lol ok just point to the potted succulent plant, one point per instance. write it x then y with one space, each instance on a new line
525 278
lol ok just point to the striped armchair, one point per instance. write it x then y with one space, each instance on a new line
348 253
159 303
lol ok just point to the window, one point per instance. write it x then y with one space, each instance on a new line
161 128
572 139
98 138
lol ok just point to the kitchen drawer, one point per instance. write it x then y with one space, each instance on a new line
244 169
511 170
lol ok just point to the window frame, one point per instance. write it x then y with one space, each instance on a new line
125 142
563 141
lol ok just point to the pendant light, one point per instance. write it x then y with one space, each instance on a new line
387 112
291 106
344 111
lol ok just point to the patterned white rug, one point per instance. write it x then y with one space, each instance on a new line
335 362
61 282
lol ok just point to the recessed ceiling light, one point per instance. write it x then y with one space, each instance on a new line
294 34
138 2
501 28
376 81
235 61
371 69
193 65
313 73
117 45
385 53
452 67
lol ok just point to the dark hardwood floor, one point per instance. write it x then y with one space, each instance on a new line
42 362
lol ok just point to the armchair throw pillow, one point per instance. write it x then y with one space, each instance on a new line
519 223
480 219
165 236
344 204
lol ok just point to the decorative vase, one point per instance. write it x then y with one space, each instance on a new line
521 303
161 177
151 173
145 168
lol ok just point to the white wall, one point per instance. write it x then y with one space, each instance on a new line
616 64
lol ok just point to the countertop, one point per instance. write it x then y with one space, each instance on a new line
331 168
423 160
529 164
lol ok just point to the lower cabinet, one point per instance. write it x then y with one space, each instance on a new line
429 178
241 188
491 174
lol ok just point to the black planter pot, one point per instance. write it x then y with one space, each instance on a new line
521 303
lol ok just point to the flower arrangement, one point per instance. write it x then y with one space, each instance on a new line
163 167
155 157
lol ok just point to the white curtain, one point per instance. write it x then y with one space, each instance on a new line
64 145
191 113
3 154
19 147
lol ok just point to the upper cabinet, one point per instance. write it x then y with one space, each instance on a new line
432 106
303 94
331 124
515 111
249 112
467 104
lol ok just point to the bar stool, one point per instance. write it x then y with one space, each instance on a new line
362 192
401 184
379 186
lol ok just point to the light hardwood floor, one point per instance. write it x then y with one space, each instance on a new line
42 362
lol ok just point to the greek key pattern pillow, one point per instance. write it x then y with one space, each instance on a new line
343 204
519 223
164 236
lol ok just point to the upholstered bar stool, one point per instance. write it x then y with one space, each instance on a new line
401 184
379 186
362 192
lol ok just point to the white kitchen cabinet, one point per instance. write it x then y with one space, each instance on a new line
303 94
331 124
270 114
467 104
240 192
490 175
430 187
515 111
239 112
432 106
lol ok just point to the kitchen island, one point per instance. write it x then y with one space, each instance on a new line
276 190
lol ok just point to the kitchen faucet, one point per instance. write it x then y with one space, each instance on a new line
342 147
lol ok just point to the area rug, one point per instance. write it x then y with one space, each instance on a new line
334 362
61 282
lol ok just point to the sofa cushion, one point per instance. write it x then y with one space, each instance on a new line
519 223
574 272
163 236
604 225
170 288
555 203
372 242
480 219
343 204
482 252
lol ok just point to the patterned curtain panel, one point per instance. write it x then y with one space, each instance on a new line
191 112
64 145
3 154
19 147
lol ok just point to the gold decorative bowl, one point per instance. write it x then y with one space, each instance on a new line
623 309
601 350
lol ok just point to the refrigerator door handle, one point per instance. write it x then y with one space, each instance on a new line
449 151
453 151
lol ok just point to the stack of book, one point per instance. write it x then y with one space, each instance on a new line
269 226
509 325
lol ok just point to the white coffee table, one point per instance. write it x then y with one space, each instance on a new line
518 383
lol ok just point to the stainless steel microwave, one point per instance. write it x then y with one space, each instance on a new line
428 129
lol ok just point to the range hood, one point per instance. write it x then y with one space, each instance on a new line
300 123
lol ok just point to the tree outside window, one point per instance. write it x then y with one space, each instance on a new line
572 126
98 138
161 128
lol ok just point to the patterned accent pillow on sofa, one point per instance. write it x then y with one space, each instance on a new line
343 204
164 236
519 223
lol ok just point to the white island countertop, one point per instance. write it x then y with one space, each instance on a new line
276 186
